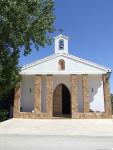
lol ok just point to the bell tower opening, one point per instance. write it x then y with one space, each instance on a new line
61 44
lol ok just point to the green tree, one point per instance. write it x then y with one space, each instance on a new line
22 23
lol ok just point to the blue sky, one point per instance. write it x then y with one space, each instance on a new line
89 25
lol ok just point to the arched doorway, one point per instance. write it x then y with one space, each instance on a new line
61 101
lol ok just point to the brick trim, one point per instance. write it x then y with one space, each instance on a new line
74 97
85 90
49 101
107 99
17 100
37 102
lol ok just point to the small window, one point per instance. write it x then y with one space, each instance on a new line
61 65
61 44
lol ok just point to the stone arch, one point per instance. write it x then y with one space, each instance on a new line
61 101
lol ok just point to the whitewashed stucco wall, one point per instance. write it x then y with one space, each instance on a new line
71 67
27 93
96 93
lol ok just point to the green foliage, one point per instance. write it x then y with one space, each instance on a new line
9 69
3 115
22 23
25 21
112 102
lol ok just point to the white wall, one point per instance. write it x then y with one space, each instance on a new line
96 93
71 67
27 97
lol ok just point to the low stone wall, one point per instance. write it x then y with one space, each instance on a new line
93 115
30 115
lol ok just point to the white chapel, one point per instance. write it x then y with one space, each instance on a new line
63 85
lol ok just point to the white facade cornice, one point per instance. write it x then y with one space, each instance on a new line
73 58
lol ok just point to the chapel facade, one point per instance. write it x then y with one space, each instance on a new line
63 86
